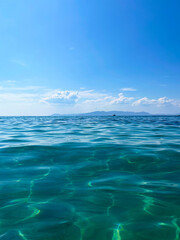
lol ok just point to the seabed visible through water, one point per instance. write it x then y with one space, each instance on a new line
90 178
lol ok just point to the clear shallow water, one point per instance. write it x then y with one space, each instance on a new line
90 178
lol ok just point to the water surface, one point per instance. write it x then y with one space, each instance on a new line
90 178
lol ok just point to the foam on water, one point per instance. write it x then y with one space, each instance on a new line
90 178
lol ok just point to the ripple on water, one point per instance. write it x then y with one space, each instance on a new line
90 178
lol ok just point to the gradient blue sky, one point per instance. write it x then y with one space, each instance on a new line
71 56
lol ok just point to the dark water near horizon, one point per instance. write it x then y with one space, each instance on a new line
90 178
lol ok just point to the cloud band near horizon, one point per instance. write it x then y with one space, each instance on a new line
35 100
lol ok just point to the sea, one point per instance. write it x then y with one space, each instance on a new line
90 178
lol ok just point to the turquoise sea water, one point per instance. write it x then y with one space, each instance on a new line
90 178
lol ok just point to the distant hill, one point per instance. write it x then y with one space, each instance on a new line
106 113
117 113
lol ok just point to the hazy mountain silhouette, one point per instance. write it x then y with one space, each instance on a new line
106 113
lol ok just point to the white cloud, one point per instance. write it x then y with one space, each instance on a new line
91 94
143 100
99 100
72 96
128 89
58 96
15 100
121 99
158 102
92 99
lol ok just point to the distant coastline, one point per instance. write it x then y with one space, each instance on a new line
113 113
106 113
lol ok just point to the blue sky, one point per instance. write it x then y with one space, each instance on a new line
71 56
